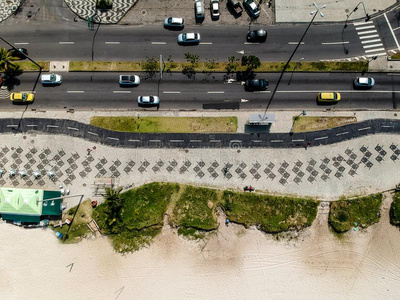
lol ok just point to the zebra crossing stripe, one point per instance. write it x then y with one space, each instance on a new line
367 32
372 46
362 23
365 27
371 41
369 36
374 50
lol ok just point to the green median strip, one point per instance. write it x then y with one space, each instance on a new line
167 124
30 66
306 124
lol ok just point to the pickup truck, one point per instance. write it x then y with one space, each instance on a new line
236 6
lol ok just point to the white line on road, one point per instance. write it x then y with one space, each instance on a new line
295 43
248 43
12 125
387 126
396 28
362 23
261 92
205 43
52 126
235 141
365 27
216 92
377 54
342 133
31 125
171 92
374 50
121 92
367 32
297 141
158 43
257 141
276 141
321 138
365 128
92 133
372 46
341 91
215 141
112 138
134 141
371 41
335 43
195 141
21 43
369 36
176 141
113 43
76 92
154 141
390 27
66 43
73 128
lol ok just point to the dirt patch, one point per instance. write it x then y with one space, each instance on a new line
305 124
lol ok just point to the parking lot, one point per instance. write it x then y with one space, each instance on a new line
152 12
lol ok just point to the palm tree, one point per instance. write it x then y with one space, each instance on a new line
113 203
5 61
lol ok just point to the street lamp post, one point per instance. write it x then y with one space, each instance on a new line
314 14
294 68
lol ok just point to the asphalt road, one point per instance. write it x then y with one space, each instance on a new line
91 91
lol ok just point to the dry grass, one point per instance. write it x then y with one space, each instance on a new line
30 66
305 124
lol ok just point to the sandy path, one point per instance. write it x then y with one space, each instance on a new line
234 264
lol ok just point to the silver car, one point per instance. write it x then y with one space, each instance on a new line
51 79
129 80
364 83
189 38
214 7
148 100
173 23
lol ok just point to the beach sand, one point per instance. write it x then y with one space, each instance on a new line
235 263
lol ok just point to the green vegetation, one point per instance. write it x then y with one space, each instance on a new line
364 211
79 228
395 56
104 4
395 210
305 124
194 212
269 213
231 66
166 124
133 218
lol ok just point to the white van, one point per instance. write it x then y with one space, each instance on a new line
199 9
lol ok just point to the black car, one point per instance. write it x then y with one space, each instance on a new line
252 8
257 36
19 52
256 85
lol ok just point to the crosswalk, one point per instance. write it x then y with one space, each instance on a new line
4 94
370 39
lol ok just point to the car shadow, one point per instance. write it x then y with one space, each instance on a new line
233 12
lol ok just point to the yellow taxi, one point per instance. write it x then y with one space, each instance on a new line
329 97
22 97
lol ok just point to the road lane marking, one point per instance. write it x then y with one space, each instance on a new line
216 92
66 43
92 133
371 41
215 141
362 23
390 27
396 28
31 125
377 54
372 46
176 141
76 92
12 125
171 92
342 133
121 92
297 141
52 126
367 32
158 43
133 140
387 126
341 91
112 43
335 43
276 141
374 50
154 141
321 138
365 128
248 43
368 36
295 43
113 138
261 92
365 27
21 43
205 43
195 141
73 128
257 141
235 141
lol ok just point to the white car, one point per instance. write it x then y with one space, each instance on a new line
188 38
214 7
129 80
51 79
148 100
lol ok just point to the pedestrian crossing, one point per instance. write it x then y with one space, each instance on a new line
370 39
4 94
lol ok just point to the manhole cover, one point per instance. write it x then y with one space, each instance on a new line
144 12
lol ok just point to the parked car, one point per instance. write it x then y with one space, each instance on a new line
236 6
174 23
199 9
189 38
51 79
364 83
214 7
257 36
329 97
252 8
148 100
18 52
22 97
129 80
256 85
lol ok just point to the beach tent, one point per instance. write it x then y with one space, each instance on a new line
28 205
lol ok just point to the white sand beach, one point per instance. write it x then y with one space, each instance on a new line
234 264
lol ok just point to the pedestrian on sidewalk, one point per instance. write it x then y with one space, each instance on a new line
88 151
308 144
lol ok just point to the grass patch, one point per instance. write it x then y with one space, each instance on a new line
125 66
364 210
270 214
194 212
395 56
79 228
141 216
395 210
305 124
30 66
167 124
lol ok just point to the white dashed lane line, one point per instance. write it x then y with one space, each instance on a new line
171 92
12 125
73 128
66 43
52 126
321 138
335 43
295 43
112 138
276 141
205 43
136 141
92 133
297 141
365 128
112 43
21 43
195 141
176 141
121 92
216 92
215 141
75 92
158 43
342 133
